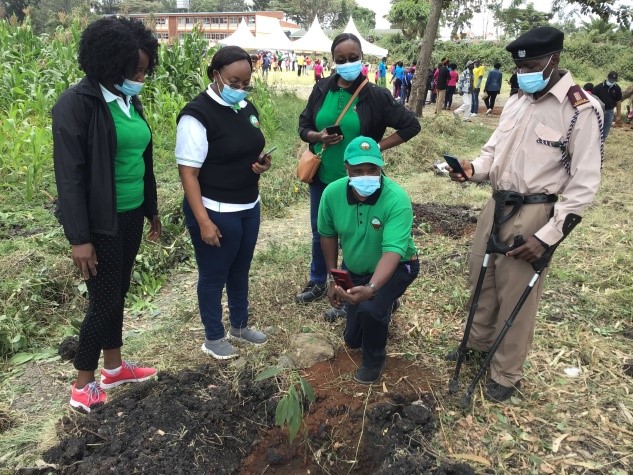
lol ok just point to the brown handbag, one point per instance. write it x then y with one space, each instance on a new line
309 162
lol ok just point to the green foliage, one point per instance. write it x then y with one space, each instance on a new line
304 11
516 21
364 18
290 408
410 16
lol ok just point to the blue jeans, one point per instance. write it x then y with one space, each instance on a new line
368 322
608 120
474 107
318 270
228 265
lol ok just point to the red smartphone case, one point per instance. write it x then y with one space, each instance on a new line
342 278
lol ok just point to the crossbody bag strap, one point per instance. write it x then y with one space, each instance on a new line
347 106
351 100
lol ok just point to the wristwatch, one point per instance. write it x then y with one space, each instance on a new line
373 288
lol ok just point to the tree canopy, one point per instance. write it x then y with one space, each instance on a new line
410 16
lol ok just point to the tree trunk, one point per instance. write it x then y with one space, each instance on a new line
627 93
418 88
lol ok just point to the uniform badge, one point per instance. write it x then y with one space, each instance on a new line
521 53
365 146
376 223
254 121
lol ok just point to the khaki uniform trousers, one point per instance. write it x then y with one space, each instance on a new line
439 101
506 279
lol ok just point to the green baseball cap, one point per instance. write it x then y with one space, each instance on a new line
363 150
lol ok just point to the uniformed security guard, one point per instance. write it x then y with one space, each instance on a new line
547 145
372 216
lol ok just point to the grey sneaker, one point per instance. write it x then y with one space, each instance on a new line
219 349
248 335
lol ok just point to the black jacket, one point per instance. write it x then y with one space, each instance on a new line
376 109
84 145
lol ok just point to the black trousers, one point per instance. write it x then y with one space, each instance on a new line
102 327
368 322
490 100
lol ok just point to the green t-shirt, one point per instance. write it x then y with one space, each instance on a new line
332 167
367 230
132 137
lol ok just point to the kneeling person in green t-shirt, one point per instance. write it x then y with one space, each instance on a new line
372 217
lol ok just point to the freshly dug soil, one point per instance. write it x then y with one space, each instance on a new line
68 348
198 421
207 421
453 221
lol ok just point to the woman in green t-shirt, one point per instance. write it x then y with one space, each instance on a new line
371 113
106 186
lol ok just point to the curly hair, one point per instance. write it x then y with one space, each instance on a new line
225 56
108 49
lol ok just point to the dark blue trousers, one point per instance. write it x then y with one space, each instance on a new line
228 265
318 270
368 322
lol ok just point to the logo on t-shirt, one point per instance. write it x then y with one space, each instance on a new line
254 121
376 223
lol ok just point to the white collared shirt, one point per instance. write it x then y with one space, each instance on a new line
192 148
124 104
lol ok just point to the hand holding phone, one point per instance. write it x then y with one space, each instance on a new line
262 160
453 162
342 278
334 130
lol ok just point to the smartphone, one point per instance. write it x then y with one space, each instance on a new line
453 162
342 278
261 160
334 130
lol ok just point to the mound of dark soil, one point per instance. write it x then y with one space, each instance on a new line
68 348
198 421
453 221
208 422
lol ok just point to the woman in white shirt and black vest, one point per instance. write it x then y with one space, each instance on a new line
219 153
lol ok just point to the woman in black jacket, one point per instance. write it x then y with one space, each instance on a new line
372 112
102 149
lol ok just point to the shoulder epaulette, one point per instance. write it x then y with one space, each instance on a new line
576 96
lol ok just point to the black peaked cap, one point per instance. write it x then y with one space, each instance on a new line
537 43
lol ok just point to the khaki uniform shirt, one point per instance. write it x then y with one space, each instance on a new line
513 160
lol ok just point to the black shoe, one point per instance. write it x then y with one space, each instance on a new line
469 356
395 306
312 292
366 375
332 314
496 393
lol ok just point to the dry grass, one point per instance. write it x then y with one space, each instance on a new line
580 425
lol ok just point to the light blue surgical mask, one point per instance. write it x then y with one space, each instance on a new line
609 83
349 71
534 82
230 95
129 87
365 185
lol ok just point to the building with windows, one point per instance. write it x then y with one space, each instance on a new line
214 25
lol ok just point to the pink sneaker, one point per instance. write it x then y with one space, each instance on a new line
129 373
87 398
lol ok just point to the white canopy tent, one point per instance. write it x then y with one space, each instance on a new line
241 37
313 40
368 48
269 34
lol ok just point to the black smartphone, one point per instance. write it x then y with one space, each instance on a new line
342 278
261 160
453 162
334 130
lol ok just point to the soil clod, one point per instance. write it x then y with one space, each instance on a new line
68 348
453 221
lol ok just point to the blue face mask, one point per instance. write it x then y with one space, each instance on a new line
129 87
230 95
534 82
365 185
610 83
349 71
